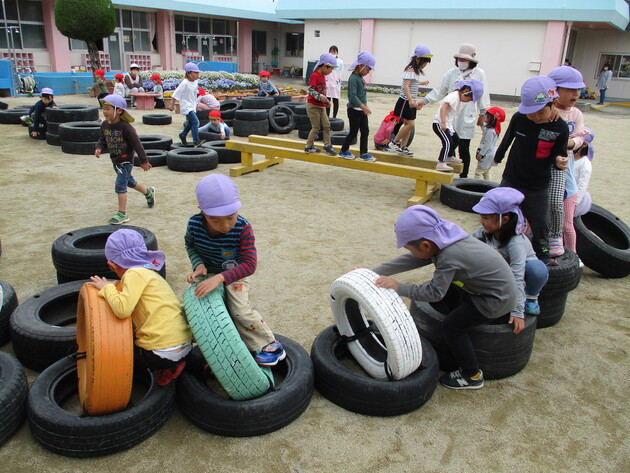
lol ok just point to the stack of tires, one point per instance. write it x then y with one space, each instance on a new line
253 117
12 116
563 278
65 114
228 109
79 137
303 125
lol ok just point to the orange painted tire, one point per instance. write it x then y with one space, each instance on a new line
105 355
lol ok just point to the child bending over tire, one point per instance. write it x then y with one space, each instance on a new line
162 336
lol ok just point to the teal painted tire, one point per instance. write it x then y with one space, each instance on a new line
222 346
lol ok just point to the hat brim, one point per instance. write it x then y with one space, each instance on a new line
222 211
483 209
525 109
465 57
572 85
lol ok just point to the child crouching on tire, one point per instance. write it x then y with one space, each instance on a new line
162 336
490 288
216 125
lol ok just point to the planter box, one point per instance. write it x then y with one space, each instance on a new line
299 98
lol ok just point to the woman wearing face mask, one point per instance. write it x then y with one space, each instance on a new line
472 113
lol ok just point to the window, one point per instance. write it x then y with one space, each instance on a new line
206 35
25 21
295 44
259 42
619 65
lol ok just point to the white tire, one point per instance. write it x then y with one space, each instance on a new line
396 351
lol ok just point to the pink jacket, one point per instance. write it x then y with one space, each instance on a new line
384 132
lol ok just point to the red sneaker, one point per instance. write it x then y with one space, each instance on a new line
164 377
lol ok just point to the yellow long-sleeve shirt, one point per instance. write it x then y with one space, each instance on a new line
153 306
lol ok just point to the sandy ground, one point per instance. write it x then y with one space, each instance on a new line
567 411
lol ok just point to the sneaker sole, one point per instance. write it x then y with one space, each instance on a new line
280 358
459 388
119 223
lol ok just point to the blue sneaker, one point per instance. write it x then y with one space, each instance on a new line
367 157
271 354
532 307
346 155
329 150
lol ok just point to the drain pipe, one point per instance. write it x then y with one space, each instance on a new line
76 86
566 41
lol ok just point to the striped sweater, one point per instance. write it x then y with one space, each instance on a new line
232 254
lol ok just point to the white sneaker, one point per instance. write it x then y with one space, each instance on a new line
390 147
443 167
580 264
405 152
452 159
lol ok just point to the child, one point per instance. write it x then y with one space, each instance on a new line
491 127
333 83
133 83
265 86
206 101
382 138
220 243
358 111
407 106
217 125
161 333
443 122
563 189
119 86
186 94
317 103
583 170
36 118
538 145
119 136
489 286
158 89
100 85
502 226
605 75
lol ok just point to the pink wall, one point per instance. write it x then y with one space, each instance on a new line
244 45
56 43
366 43
165 29
553 46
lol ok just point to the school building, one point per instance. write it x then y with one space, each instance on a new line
514 40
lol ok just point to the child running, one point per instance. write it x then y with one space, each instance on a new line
491 129
158 89
221 245
186 94
162 336
217 125
502 226
489 286
358 111
382 138
36 118
265 86
443 122
119 136
317 103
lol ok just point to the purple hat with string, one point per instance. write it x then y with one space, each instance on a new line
126 248
364 58
191 67
217 196
420 221
567 77
536 92
475 86
502 200
326 59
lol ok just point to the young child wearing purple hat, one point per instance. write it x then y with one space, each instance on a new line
317 102
489 286
120 137
221 245
186 95
502 225
161 333
537 145
36 118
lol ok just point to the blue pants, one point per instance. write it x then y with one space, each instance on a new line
536 276
192 124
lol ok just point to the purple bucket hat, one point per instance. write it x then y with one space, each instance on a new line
589 139
420 221
326 59
118 101
502 200
217 196
191 67
536 92
47 91
475 86
364 58
422 51
127 249
567 77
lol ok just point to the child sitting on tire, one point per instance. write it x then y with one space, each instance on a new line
162 336
220 243
216 125
490 288
36 118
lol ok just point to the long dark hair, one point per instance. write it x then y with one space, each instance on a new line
416 63
507 230
492 120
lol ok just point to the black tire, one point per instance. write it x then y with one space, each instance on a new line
178 145
80 131
464 194
72 113
157 119
499 351
78 147
282 98
156 141
4 105
80 253
360 393
12 117
246 128
203 114
42 327
300 109
226 156
277 408
65 433
258 102
229 122
192 159
9 303
157 158
280 111
301 120
52 127
552 306
338 137
228 107
603 242
336 124
251 115
13 395
566 275
53 139
209 136
40 136
303 135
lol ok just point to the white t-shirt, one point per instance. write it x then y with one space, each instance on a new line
186 94
454 105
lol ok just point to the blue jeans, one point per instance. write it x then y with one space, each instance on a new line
124 178
602 95
536 276
192 124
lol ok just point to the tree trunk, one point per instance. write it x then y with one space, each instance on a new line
95 60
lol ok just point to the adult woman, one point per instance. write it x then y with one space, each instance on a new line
472 112
133 82
602 84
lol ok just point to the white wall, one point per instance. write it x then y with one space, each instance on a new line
345 34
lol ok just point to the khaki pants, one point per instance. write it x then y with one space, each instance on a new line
319 121
485 173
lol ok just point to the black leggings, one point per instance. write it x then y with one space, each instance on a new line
449 142
335 107
148 359
358 121
464 155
